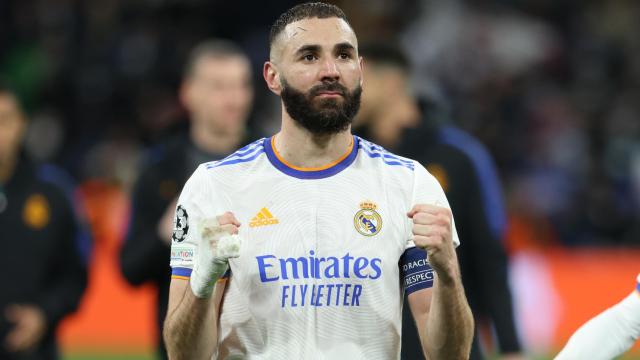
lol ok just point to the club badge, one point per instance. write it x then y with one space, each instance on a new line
367 220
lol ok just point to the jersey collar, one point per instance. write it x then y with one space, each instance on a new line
310 173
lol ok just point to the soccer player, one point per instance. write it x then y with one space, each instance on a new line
43 268
609 334
300 245
390 116
217 91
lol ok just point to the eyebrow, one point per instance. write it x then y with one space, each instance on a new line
308 48
344 46
316 48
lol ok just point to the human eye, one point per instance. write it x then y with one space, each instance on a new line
309 57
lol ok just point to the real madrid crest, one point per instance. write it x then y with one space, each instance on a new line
367 220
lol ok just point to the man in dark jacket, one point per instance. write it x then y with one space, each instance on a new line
43 266
217 92
466 173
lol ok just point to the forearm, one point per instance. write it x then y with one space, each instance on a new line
190 330
449 330
620 325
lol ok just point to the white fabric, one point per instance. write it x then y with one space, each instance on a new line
210 265
306 283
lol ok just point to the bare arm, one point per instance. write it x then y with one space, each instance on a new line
191 325
442 314
619 325
420 305
190 330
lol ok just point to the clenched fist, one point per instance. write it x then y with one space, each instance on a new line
432 231
218 241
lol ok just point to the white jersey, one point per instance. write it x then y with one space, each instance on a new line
321 273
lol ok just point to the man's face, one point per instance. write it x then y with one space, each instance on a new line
219 93
389 108
11 127
320 74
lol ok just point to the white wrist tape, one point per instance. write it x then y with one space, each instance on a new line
215 248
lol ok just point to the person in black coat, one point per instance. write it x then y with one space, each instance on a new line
43 265
217 91
393 117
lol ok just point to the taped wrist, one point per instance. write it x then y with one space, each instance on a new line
216 247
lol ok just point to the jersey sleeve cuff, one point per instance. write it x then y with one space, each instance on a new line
181 273
185 274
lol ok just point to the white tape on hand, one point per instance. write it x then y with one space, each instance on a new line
215 247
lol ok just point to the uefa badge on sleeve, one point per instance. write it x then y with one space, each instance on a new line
180 224
367 220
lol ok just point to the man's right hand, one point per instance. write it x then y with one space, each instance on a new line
218 241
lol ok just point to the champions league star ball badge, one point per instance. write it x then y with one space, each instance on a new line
180 225
367 221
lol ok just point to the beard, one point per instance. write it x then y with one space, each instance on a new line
321 116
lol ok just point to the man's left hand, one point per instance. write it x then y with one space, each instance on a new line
30 326
432 232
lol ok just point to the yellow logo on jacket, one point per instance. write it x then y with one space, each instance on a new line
36 213
367 220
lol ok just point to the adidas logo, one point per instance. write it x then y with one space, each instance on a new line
263 218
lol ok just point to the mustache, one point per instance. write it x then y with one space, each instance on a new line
332 87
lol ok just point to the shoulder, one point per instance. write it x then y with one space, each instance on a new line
56 185
466 145
244 155
163 154
383 157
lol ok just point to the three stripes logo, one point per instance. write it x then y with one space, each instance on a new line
263 218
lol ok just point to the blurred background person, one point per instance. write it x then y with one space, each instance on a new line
391 115
217 92
44 268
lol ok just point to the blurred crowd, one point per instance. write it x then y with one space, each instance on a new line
551 87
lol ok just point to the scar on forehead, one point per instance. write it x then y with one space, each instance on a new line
296 31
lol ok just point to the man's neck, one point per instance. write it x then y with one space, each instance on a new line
215 142
300 148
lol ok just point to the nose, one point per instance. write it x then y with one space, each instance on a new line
329 71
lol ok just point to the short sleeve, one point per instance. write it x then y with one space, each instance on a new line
415 271
427 190
199 200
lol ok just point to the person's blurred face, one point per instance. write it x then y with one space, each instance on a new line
12 126
317 72
219 93
388 106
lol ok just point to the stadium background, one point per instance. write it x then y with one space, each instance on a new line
551 87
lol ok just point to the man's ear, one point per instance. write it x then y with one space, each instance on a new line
361 63
272 77
184 93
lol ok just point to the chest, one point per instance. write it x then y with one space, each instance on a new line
355 225
28 228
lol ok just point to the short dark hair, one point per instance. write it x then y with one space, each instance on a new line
213 48
382 53
308 10
5 89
